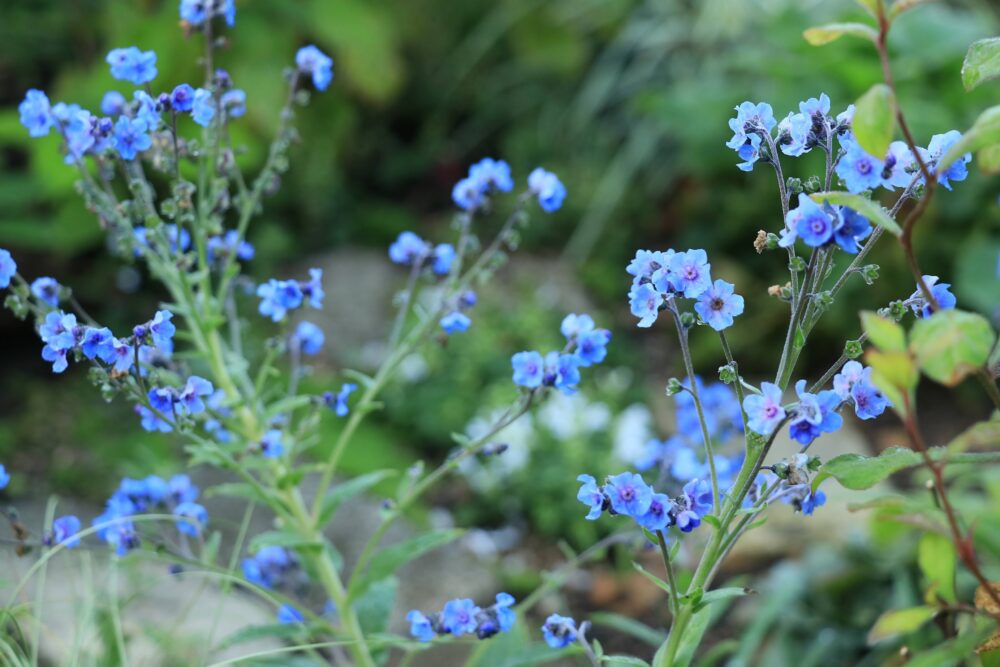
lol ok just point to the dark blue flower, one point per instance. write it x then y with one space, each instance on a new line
132 65
815 414
941 293
659 516
338 402
64 530
869 402
99 344
287 614
131 137
310 60
421 627
459 617
548 188
309 338
8 267
192 518
749 152
559 631
182 98
46 289
36 113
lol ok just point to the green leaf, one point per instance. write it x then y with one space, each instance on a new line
982 62
981 434
623 660
896 376
629 626
866 207
284 631
984 132
901 6
857 472
870 6
951 344
824 34
898 622
375 606
390 559
883 333
282 538
689 643
652 577
875 120
336 496
953 652
937 559
724 594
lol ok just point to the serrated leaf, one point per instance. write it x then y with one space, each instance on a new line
336 496
389 560
824 34
938 560
882 332
875 120
951 344
868 208
984 132
899 622
982 62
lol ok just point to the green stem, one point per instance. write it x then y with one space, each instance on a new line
674 593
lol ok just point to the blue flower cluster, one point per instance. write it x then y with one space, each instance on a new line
153 494
462 616
487 176
277 297
4 477
820 225
661 277
338 402
628 494
127 129
64 531
585 346
272 567
559 631
854 383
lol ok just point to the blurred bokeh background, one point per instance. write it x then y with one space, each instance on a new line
627 100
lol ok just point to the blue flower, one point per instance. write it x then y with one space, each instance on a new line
592 347
857 169
270 445
421 627
132 65
573 325
151 422
203 107
813 500
444 255
455 322
459 617
548 188
690 273
562 371
900 166
793 134
8 267
228 245
147 109
113 103
658 516
942 295
77 127
99 344
468 194
179 489
309 338
851 372
505 615
269 566
694 504
47 290
718 305
629 494
749 153
941 144
4 477
529 369
852 228
197 12
287 614
278 297
764 411
645 302
234 103
190 397
131 137
810 221
64 530
313 290
192 518
648 262
559 631
338 402
591 495
36 114
162 399
492 174
815 414
751 119
869 402
182 98
408 249
162 330
310 60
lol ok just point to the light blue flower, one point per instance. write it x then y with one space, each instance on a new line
719 304
459 617
548 188
131 137
455 322
957 170
36 113
529 369
8 267
310 60
192 518
559 631
764 411
203 107
132 65
690 273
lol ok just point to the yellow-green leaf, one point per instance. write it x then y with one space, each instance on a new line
866 207
899 622
937 559
982 62
895 374
883 333
824 34
901 6
875 120
951 344
989 159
